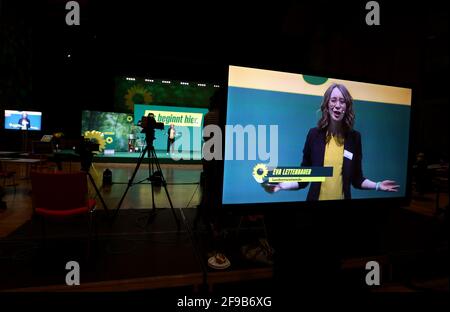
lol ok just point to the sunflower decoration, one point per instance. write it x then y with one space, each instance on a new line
58 135
260 171
96 136
137 94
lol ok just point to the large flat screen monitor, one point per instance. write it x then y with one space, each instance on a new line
23 120
293 138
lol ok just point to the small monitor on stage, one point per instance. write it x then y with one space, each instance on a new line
23 120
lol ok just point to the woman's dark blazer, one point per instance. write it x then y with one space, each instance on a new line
313 156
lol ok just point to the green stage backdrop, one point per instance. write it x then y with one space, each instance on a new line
116 128
161 92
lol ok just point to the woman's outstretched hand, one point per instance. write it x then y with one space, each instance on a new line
389 186
273 188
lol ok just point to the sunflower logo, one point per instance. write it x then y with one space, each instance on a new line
109 140
137 94
260 171
96 136
129 118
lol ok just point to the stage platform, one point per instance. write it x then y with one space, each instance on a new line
69 155
163 157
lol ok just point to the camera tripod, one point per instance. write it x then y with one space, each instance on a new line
153 163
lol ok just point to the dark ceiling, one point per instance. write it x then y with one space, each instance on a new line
196 40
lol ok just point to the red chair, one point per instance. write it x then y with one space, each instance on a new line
60 196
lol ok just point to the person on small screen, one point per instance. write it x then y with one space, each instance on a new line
24 122
171 133
334 143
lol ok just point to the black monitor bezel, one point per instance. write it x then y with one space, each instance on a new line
250 208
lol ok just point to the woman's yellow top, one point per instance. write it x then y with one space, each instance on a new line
331 188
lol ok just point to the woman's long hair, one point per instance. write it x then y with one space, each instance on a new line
349 117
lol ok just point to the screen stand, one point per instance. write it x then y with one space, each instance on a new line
24 141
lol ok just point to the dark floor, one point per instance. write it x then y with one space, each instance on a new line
327 250
125 249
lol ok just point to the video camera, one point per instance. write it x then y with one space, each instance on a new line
86 149
88 145
149 124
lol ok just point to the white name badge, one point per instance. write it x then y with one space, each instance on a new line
348 154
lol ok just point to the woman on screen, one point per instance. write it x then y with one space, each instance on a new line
24 122
334 143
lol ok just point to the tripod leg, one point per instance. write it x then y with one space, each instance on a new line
151 175
130 182
171 206
98 192
163 181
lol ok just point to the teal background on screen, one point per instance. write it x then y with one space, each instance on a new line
384 132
